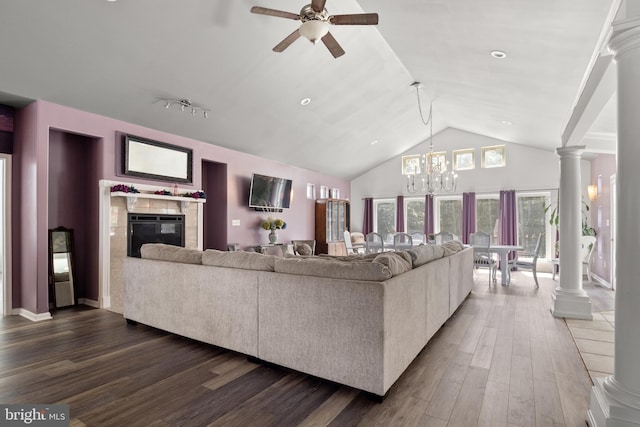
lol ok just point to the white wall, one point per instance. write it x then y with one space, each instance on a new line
527 168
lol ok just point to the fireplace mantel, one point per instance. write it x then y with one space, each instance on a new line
132 198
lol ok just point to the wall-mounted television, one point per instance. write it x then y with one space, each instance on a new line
269 192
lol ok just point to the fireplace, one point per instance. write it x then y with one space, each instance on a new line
153 228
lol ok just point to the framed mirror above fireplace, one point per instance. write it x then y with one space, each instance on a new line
150 159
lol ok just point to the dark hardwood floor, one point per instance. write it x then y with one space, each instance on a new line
502 359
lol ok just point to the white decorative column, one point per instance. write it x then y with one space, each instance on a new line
569 299
615 400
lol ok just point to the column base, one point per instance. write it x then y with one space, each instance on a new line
571 304
612 405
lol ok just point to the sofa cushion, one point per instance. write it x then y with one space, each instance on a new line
422 254
397 262
164 252
325 267
242 260
350 258
452 246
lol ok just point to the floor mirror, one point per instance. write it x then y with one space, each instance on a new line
61 267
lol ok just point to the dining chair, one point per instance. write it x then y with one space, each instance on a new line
482 258
418 238
528 265
444 236
353 248
402 241
587 243
374 243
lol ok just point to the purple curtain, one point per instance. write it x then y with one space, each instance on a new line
508 233
367 222
400 215
468 215
428 215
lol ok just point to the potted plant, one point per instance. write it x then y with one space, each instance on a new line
587 230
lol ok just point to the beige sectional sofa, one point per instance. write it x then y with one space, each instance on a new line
357 320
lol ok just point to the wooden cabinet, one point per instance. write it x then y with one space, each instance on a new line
332 220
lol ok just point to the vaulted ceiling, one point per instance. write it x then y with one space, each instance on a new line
118 58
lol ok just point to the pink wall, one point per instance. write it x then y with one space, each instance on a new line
32 177
603 166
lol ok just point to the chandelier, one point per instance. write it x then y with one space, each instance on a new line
432 174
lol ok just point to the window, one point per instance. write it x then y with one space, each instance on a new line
414 215
411 164
532 221
384 216
311 191
488 215
464 159
494 157
439 159
448 215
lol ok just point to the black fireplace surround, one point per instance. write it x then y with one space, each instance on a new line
153 228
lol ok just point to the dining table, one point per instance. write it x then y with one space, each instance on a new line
503 252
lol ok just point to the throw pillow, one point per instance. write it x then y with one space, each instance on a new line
423 254
452 246
303 249
397 262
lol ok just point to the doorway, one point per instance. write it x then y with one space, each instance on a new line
5 235
214 184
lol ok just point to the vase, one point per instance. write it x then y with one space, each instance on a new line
273 236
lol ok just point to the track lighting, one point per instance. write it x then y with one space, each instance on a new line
185 104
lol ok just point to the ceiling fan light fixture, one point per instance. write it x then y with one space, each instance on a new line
314 30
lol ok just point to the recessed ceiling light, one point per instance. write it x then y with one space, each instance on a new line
305 101
374 142
506 122
498 54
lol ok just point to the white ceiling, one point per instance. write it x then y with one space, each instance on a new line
116 58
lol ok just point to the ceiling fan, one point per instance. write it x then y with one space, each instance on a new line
315 24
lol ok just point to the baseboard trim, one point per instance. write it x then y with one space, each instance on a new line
89 302
34 317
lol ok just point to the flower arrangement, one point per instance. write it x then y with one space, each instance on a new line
124 188
163 192
196 195
273 224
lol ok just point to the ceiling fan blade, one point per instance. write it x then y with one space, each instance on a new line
356 19
332 45
273 12
318 5
287 41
